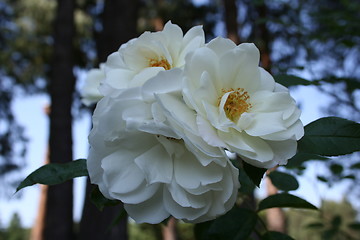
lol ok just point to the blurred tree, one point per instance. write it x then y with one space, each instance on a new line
15 230
336 220
12 139
59 201
119 25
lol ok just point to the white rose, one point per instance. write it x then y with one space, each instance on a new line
141 156
144 57
238 105
90 93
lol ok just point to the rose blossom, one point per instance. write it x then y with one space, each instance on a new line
90 92
141 156
144 57
239 106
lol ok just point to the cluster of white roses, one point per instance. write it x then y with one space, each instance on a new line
170 107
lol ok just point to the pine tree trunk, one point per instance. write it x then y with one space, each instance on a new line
120 25
231 14
59 202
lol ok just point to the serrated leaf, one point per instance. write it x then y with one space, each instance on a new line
301 157
283 181
331 136
272 235
55 173
237 224
255 174
284 200
98 199
291 80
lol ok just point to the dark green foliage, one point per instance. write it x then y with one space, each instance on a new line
275 236
291 80
284 200
283 181
300 158
100 201
237 224
55 173
331 136
255 174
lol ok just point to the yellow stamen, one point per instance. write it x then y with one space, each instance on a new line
163 62
236 103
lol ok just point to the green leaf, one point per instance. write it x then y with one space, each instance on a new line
271 235
237 224
98 199
284 200
291 80
331 136
283 181
301 157
254 173
55 173
201 230
116 220
247 185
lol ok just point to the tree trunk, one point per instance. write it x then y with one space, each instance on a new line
231 14
38 228
169 232
275 217
97 225
119 26
59 202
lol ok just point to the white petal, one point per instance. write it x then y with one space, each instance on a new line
184 213
118 78
295 131
156 165
283 150
144 75
221 45
248 146
151 211
139 195
201 60
265 123
196 175
114 60
189 47
121 174
194 33
267 81
208 133
178 111
165 82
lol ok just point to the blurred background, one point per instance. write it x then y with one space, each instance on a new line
47 46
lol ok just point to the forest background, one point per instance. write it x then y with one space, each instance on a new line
312 43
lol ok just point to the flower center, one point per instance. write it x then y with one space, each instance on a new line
236 103
163 62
